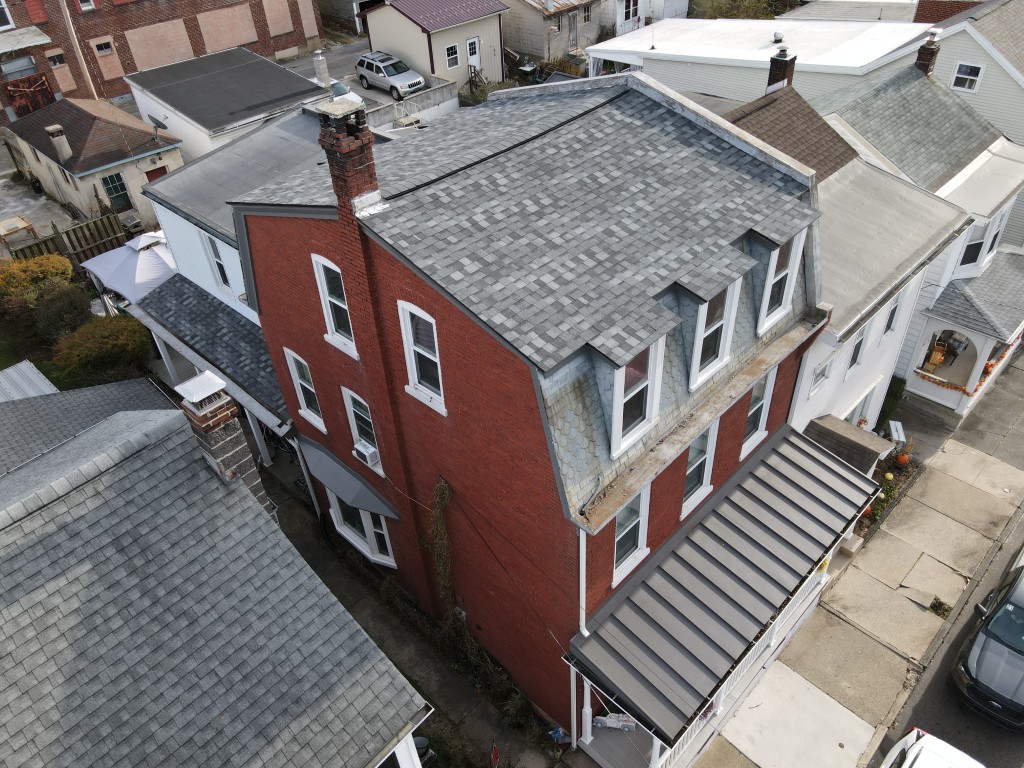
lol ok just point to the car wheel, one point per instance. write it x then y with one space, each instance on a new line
395 94
364 82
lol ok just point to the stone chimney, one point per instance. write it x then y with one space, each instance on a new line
60 141
929 52
320 68
781 69
348 142
213 416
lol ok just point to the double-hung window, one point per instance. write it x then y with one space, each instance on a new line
366 531
6 22
419 335
890 319
756 428
966 77
364 439
821 373
302 379
335 305
586 14
995 230
631 535
778 293
220 271
715 321
451 54
857 350
700 458
637 391
630 10
975 242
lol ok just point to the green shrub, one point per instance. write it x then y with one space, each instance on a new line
61 311
23 281
106 346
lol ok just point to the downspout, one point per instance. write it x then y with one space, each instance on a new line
583 584
73 34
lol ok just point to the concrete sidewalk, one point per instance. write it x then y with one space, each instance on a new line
830 696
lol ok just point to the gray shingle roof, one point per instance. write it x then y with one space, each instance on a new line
1002 23
992 303
37 424
434 15
930 133
218 334
151 615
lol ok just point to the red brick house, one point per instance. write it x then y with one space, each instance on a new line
594 343
83 48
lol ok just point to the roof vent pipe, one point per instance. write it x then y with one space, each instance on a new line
778 37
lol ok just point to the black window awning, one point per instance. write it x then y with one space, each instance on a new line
346 484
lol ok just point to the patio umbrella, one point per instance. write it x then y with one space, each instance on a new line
132 272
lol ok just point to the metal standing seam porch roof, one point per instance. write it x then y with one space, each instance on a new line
669 636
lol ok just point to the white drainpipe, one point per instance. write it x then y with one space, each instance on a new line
583 584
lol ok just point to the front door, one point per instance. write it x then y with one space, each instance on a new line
473 52
573 38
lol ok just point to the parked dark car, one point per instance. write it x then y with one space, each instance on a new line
989 670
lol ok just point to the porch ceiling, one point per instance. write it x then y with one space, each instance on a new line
667 638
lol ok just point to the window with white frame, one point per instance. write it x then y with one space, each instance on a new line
857 350
637 391
821 373
966 76
6 21
334 304
778 292
715 321
631 535
422 360
699 462
556 23
117 192
220 270
586 14
87 5
302 379
995 230
975 242
756 428
451 53
364 439
890 319
366 531
630 10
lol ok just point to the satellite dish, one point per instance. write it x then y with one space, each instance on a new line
158 123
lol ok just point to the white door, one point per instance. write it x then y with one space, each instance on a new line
573 38
473 52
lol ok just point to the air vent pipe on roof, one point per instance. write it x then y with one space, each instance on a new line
778 37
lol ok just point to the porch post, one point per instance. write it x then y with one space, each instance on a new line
572 699
984 350
587 714
655 752
165 356
257 436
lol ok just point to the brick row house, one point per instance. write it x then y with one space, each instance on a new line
592 346
83 48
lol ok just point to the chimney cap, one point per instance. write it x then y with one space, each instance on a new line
54 129
933 34
783 52
339 109
200 387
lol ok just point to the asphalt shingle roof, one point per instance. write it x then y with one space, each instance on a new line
991 303
434 15
151 615
1002 23
218 334
930 133
99 133
787 122
43 422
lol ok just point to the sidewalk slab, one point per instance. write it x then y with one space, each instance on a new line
1002 480
959 460
929 575
721 754
956 499
947 540
848 665
887 615
888 558
785 722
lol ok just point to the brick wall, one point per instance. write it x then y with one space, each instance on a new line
112 18
934 11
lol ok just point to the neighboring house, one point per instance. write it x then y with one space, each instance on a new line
878 235
87 152
153 613
861 10
23 380
450 39
213 99
590 389
546 30
84 48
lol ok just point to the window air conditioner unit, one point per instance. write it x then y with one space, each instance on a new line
366 453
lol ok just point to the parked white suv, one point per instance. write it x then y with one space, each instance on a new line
922 750
389 73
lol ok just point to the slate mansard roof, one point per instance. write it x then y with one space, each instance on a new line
152 615
568 210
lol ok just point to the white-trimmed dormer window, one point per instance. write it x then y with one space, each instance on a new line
637 392
966 76
302 379
364 439
366 531
700 458
335 305
975 242
995 231
713 339
631 535
778 291
6 20
756 428
419 334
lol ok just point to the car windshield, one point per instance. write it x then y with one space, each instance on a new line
339 89
396 69
1007 626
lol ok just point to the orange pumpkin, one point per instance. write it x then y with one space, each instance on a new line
902 459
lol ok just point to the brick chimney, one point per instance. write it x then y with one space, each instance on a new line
781 69
60 141
213 417
348 142
929 52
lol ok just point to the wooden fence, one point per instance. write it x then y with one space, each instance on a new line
78 243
